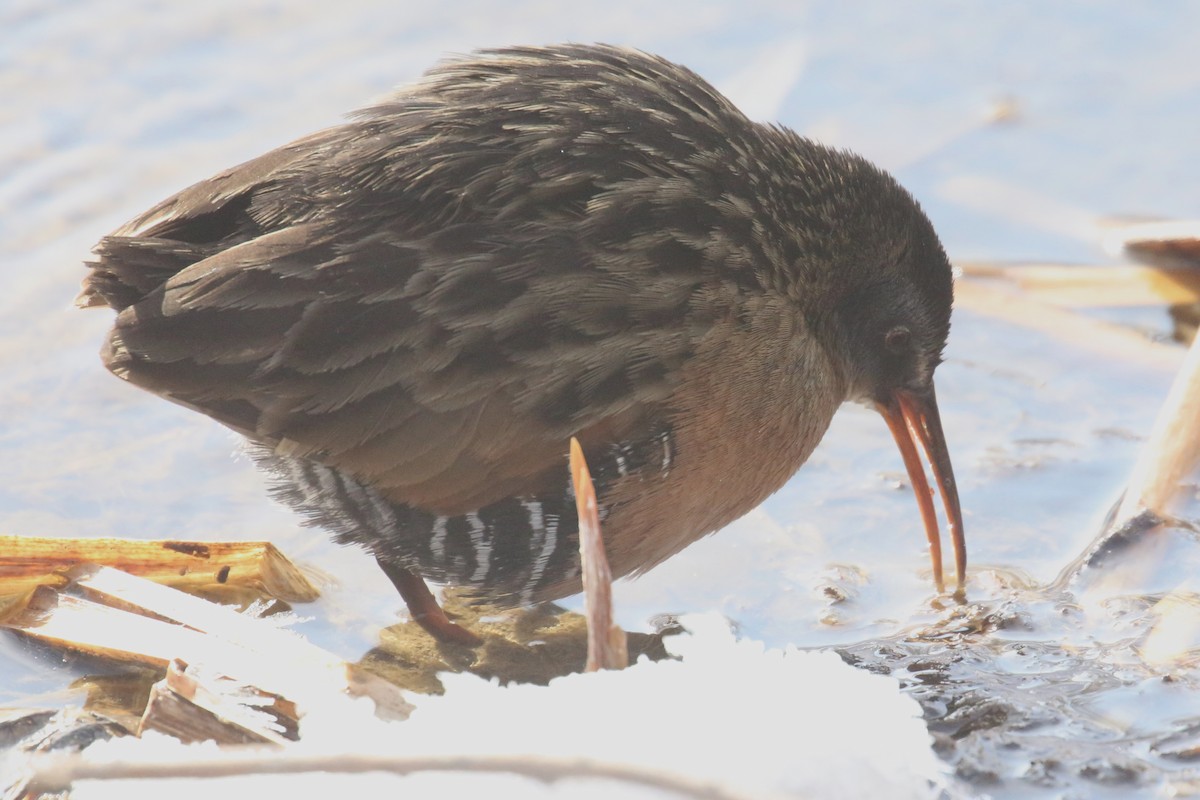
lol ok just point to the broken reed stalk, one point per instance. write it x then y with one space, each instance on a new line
1171 452
1164 242
607 648
211 567
1109 340
131 619
1082 286
56 772
193 708
1173 449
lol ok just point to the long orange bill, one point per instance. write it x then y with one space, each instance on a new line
913 419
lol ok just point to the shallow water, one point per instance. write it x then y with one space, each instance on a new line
110 108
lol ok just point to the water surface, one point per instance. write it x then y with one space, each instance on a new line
111 107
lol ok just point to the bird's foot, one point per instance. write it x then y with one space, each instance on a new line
424 607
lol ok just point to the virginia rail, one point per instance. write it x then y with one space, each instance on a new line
409 315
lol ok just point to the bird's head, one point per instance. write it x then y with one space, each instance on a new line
886 290
893 332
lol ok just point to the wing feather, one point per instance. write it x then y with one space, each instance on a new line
434 296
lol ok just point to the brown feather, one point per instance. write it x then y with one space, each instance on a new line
412 313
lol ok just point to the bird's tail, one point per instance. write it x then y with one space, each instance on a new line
126 269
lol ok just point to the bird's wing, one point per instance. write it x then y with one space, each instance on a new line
437 294
203 219
447 371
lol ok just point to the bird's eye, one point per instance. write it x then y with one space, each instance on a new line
897 339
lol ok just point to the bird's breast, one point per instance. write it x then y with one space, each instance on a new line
751 405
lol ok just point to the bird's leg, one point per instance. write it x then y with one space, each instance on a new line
424 606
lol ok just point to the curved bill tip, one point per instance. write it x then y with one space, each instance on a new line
914 420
